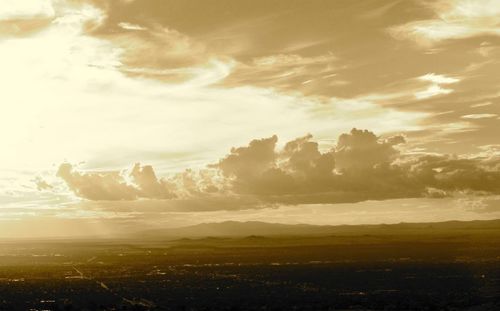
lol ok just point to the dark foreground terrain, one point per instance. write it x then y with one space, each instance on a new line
383 268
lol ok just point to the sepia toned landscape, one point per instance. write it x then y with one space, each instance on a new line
441 266
249 155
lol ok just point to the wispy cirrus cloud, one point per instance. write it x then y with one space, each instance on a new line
435 88
129 26
455 19
480 116
25 9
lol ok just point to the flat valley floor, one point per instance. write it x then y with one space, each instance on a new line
374 271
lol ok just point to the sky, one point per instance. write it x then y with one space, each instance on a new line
124 115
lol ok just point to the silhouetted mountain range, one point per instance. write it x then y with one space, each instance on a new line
256 228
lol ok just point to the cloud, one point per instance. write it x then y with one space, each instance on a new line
305 161
77 71
157 52
252 169
435 88
42 184
361 167
481 105
97 186
479 116
362 149
15 9
141 182
450 173
288 72
129 26
432 91
252 160
22 27
148 185
438 79
456 19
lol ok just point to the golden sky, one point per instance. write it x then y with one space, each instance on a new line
117 115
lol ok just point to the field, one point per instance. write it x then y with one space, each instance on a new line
375 269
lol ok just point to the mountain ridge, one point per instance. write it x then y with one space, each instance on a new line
258 228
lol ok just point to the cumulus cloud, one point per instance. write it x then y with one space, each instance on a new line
362 166
305 161
450 173
244 162
363 149
148 185
141 182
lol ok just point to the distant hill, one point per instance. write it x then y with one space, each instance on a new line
255 228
